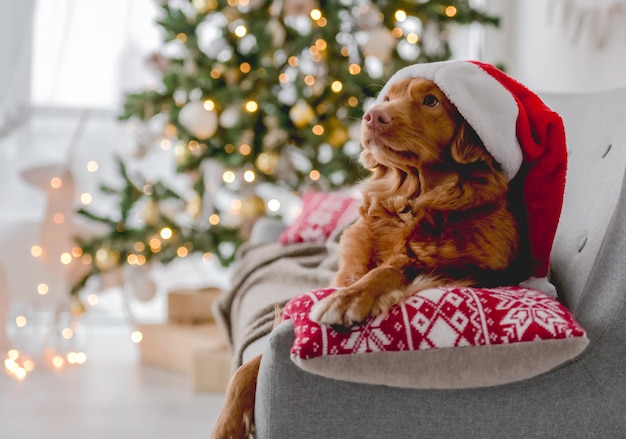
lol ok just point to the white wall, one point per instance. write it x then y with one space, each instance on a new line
88 54
537 44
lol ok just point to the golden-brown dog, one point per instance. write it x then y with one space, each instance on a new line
435 212
435 209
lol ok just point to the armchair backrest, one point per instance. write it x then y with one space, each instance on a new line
586 265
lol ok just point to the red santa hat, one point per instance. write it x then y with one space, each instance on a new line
525 137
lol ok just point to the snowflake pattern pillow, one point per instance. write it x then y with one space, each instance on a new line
445 338
322 213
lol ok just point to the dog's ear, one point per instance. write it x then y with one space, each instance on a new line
467 147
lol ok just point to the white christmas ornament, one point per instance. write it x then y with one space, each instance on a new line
380 43
138 279
230 117
199 121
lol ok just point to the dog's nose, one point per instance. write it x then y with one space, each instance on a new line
376 116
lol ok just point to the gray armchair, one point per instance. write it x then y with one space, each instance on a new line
584 398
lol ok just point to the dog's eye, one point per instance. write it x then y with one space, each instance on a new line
386 99
430 101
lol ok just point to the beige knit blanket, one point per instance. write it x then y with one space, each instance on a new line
267 275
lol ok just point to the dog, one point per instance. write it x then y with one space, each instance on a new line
435 209
435 212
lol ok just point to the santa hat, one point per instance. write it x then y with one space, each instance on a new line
525 137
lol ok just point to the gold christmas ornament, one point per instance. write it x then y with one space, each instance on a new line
106 258
77 307
301 114
182 154
338 137
267 162
151 213
252 206
194 206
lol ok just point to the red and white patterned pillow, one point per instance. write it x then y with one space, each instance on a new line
442 338
322 213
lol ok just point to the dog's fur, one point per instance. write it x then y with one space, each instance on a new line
435 208
435 212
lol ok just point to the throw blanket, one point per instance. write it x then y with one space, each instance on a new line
267 275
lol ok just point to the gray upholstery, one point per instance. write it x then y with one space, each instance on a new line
585 398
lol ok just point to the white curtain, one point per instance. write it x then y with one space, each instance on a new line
16 18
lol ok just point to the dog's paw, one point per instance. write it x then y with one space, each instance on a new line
345 307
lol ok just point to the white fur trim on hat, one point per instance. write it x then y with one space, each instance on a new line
481 99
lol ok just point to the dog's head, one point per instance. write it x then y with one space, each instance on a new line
415 126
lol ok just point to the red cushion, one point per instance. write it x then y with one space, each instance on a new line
322 213
438 334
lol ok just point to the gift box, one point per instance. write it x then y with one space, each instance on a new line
191 306
197 351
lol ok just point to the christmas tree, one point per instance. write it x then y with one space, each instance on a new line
257 98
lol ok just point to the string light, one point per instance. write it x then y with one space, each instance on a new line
245 149
166 144
321 44
314 175
56 182
214 219
249 176
171 130
58 361
336 86
251 106
412 38
42 289
400 15
208 105
93 299
67 333
228 176
166 233
354 69
36 251
136 337
92 166
241 31
451 11
155 245
86 198
273 205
